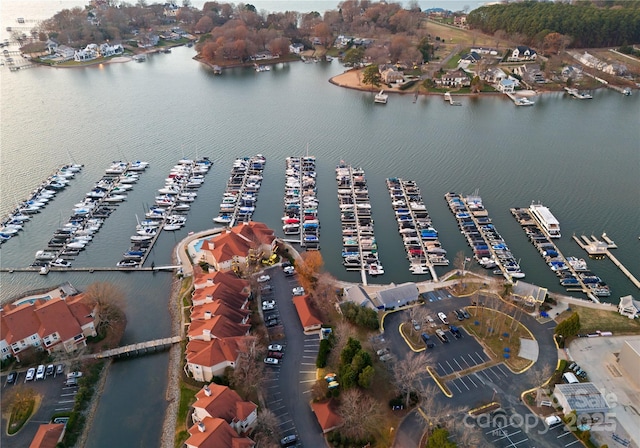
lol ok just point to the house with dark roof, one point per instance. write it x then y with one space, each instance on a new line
455 78
54 325
522 53
397 296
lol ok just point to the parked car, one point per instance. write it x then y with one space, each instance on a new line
74 375
277 355
40 372
59 369
459 314
272 322
275 348
271 361
264 278
289 271
382 351
289 440
49 370
427 340
386 357
11 378
572 365
298 291
31 374
455 331
266 287
443 337
443 318
465 313
416 325
430 321
268 305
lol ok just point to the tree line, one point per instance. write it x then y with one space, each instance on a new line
588 24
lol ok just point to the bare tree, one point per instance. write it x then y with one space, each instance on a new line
109 299
341 333
408 373
267 429
249 370
418 314
360 413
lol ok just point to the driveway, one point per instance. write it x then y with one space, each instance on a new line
289 384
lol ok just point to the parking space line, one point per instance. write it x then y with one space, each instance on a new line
452 369
310 351
286 421
275 401
456 361
444 371
68 395
501 370
308 371
454 383
306 391
63 409
66 401
569 444
562 435
479 357
465 384
307 381
469 378
307 364
486 376
472 360
465 361
491 370
516 443
478 376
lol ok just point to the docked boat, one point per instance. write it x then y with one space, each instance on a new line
128 263
60 263
546 219
381 97
138 238
45 255
522 101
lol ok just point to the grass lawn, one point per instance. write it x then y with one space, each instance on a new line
187 397
490 331
592 319
24 405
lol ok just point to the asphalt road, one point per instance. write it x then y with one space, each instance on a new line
289 384
493 383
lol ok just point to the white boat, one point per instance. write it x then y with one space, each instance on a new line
523 102
546 219
116 168
138 238
147 231
222 219
375 269
60 263
381 98
172 226
115 198
44 255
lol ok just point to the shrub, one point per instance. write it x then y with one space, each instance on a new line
323 353
360 316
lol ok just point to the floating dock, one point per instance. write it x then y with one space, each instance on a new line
300 202
241 194
602 248
572 272
359 246
420 239
489 248
577 94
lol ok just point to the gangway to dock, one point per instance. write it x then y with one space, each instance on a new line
136 349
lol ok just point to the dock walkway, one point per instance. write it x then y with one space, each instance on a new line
136 349
596 247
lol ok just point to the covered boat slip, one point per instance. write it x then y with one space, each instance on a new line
414 224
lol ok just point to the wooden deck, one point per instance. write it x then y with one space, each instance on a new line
137 349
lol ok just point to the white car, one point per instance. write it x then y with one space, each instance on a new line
40 372
271 361
74 375
275 348
264 278
268 305
298 291
31 374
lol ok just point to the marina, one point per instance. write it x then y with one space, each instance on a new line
88 216
489 248
359 247
572 272
168 214
301 203
420 239
241 192
37 201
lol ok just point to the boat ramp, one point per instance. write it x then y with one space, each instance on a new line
359 247
241 193
602 248
419 237
489 248
572 272
301 203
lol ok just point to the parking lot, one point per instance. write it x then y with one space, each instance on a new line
56 397
510 432
288 383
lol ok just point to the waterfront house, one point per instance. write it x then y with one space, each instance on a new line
64 52
51 46
390 75
216 433
296 48
492 75
507 85
484 50
307 314
215 326
48 435
522 53
629 307
217 401
206 359
89 53
456 78
107 49
52 325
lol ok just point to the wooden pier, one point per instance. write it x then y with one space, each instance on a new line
138 349
93 269
596 247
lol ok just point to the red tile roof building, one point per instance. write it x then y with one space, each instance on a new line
307 313
216 433
48 435
327 417
55 325
206 359
214 400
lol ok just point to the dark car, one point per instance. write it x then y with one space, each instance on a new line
465 313
271 322
455 331
428 342
277 355
288 440
11 378
459 315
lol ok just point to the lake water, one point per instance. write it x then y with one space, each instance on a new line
580 158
